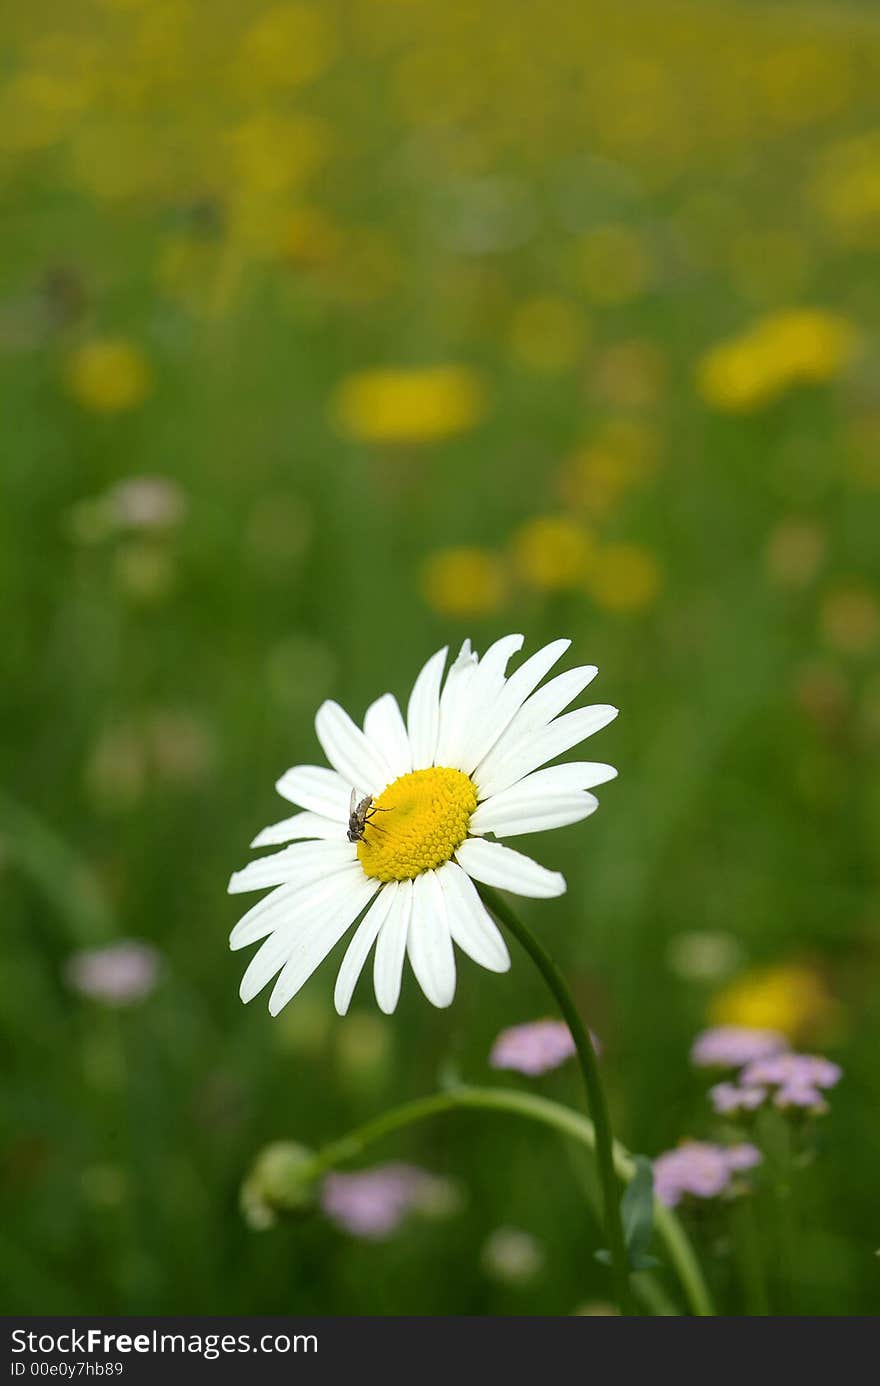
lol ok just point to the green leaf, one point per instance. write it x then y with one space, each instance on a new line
637 1211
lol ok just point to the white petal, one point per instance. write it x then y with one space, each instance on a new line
281 905
561 779
317 788
535 814
428 942
423 711
391 950
384 727
544 745
486 685
499 866
535 714
313 944
302 913
299 826
514 693
263 917
470 924
348 750
456 708
358 950
303 861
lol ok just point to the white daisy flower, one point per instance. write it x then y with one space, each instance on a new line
460 771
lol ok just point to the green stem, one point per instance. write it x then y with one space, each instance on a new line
592 1082
748 1244
534 1108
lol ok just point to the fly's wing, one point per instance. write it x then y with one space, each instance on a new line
352 804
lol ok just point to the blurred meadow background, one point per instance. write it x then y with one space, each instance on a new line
334 332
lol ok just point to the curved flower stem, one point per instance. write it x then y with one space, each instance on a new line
534 1108
593 1084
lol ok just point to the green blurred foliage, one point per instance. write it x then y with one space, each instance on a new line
218 217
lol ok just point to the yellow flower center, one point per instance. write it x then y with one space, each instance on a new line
419 821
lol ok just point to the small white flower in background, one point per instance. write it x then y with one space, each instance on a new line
118 975
135 504
146 502
463 766
512 1256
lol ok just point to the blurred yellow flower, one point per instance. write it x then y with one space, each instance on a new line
39 107
551 552
415 405
794 552
846 189
615 264
850 619
464 582
287 45
595 478
108 375
630 375
272 154
547 334
798 346
822 694
624 578
805 82
790 997
311 238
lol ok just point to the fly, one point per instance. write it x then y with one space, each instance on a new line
360 816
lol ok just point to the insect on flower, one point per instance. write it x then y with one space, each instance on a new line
470 765
360 814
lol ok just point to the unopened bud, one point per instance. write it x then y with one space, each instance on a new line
282 1180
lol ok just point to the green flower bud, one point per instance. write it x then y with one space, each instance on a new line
282 1180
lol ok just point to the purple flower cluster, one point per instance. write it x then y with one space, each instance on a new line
729 1098
765 1067
795 1080
700 1170
798 1079
731 1046
372 1203
535 1047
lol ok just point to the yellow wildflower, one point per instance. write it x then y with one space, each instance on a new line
846 189
271 154
794 552
416 405
108 375
287 45
630 375
311 238
790 997
624 578
623 454
464 582
551 552
798 346
850 619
